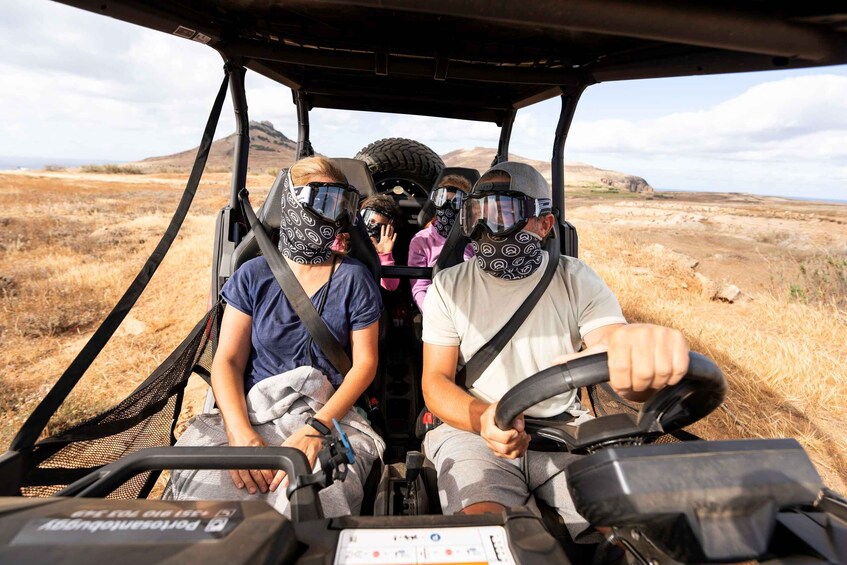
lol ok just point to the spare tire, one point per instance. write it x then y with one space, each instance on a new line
396 160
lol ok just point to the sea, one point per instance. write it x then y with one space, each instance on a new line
800 198
30 163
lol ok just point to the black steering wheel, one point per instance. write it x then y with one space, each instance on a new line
701 390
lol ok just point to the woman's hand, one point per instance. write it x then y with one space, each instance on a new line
386 239
308 440
254 480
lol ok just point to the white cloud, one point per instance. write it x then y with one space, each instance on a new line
784 137
795 118
81 85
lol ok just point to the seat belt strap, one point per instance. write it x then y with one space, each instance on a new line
476 365
294 292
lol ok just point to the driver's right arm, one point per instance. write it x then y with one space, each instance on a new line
453 405
443 397
228 368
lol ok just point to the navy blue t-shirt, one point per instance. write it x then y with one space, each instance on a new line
279 338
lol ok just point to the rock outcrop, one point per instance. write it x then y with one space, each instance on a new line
577 175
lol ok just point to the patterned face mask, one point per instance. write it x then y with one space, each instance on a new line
444 218
512 257
303 237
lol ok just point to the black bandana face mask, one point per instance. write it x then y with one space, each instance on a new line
303 237
511 257
444 218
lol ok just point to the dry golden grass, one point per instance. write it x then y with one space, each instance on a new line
71 243
786 362
69 247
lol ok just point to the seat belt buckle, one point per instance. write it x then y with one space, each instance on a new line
426 422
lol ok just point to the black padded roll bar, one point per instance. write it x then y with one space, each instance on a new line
505 137
241 147
557 163
304 145
302 488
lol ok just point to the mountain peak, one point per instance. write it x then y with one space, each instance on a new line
269 149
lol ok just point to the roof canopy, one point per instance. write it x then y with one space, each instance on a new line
479 59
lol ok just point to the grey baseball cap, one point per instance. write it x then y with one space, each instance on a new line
523 178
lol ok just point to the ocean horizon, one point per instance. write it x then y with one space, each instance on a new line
36 163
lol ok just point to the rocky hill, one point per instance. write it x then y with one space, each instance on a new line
269 149
577 175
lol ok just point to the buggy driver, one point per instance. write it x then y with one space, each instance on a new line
482 468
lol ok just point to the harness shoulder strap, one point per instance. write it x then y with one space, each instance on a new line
476 365
294 292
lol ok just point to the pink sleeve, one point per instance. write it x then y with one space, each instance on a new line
469 252
388 259
417 258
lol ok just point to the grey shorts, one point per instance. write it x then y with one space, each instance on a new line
469 472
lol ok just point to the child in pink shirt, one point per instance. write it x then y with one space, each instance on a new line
379 214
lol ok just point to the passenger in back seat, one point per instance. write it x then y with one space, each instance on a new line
266 354
426 245
380 214
480 467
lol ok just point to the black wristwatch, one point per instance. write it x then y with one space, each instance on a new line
319 426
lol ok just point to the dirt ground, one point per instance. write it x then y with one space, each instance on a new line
754 242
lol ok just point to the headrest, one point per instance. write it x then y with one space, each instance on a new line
472 175
357 174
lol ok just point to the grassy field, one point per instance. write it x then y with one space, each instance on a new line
71 242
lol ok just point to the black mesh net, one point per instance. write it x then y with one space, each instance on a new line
146 418
605 401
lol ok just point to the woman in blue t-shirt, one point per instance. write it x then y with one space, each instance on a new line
261 336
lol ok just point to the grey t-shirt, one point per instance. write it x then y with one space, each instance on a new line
465 307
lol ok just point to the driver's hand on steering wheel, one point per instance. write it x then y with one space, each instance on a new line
510 444
644 358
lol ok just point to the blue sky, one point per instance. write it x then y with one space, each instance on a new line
82 86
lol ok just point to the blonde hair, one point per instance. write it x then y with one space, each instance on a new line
304 170
455 180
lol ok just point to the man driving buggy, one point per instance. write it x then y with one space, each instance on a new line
480 467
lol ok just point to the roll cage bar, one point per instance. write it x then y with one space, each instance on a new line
304 149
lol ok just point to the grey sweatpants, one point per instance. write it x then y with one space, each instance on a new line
469 472
277 407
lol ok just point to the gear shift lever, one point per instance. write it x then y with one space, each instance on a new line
414 464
